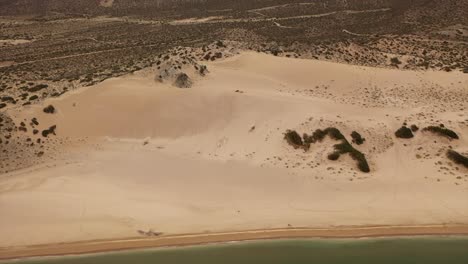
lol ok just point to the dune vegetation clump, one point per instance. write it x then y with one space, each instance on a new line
442 131
294 139
457 158
50 109
183 81
404 132
342 148
357 138
50 130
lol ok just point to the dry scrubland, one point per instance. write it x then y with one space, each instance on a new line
275 115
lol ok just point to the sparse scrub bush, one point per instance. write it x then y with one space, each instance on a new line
457 158
442 131
357 138
414 128
343 148
395 61
49 109
37 88
334 156
294 139
404 132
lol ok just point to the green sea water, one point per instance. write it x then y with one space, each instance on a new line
422 250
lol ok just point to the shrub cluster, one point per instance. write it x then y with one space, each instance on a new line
37 88
442 131
294 139
457 158
404 132
51 130
344 147
357 138
49 109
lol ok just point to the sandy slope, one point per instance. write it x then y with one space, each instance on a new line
215 159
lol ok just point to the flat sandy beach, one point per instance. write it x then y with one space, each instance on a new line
97 246
211 160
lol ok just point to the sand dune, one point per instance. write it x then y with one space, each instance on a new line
210 159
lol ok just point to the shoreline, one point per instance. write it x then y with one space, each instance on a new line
136 243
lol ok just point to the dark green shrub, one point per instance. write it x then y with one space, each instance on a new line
361 160
334 156
293 139
335 133
395 61
442 131
357 138
319 135
38 88
47 132
8 99
49 109
344 147
414 128
457 158
404 132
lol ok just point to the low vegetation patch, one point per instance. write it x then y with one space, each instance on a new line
47 132
404 132
37 88
294 139
414 128
357 138
49 109
344 147
457 158
442 131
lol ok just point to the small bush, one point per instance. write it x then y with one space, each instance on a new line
49 109
334 156
457 158
294 139
357 138
183 81
38 88
442 131
361 160
344 147
395 61
404 132
47 132
319 135
414 128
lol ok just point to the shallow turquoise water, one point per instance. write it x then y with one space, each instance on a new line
426 250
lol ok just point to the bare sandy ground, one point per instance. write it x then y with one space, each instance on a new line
210 159
98 246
